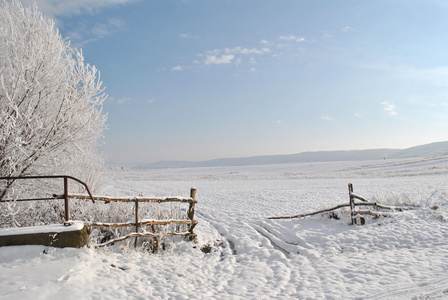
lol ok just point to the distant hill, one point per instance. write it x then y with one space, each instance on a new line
434 149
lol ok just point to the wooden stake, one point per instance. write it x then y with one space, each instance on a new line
155 247
352 203
136 222
67 212
191 209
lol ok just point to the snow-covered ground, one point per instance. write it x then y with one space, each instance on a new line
401 256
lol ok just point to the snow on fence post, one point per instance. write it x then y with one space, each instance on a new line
352 203
191 210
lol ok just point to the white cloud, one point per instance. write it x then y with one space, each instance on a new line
177 68
55 8
103 29
390 108
83 35
184 35
327 118
357 115
247 50
347 29
215 60
122 100
291 38
266 43
128 100
231 55
239 54
240 50
75 35
116 22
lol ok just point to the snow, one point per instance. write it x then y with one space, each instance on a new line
403 255
75 225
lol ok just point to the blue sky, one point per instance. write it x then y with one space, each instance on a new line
204 79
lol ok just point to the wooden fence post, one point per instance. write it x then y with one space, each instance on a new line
352 203
191 210
136 221
67 212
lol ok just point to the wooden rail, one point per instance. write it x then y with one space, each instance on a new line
129 199
142 223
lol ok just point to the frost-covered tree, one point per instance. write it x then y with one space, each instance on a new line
51 116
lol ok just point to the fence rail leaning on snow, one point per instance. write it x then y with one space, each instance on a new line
355 214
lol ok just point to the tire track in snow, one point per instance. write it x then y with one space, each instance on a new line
259 268
286 239
273 241
225 268
225 240
304 281
298 258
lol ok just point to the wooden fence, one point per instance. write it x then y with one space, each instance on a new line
355 214
137 223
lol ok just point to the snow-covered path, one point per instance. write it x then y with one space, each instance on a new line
402 256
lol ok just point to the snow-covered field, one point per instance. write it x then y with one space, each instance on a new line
401 256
